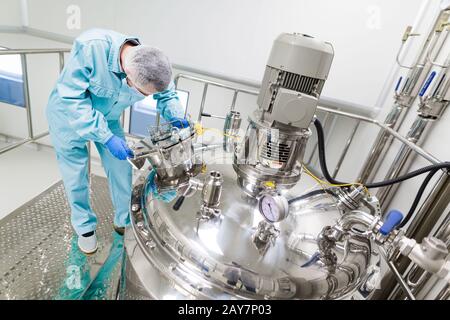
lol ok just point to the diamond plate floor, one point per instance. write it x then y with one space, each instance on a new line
39 257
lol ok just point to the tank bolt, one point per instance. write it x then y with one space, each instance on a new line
172 266
151 244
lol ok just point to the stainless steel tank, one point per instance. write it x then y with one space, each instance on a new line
180 255
238 230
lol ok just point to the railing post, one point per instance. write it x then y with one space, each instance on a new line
233 104
175 81
202 104
61 61
158 118
122 120
347 146
26 95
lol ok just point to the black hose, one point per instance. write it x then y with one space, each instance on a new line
417 198
326 174
309 195
322 158
432 169
444 165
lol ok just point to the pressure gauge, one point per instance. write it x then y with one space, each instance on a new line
273 207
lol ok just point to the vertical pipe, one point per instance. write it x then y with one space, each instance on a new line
444 294
403 160
347 146
397 274
400 280
202 104
406 98
397 115
26 94
382 143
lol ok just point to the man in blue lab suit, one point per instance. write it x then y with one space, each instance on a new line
106 73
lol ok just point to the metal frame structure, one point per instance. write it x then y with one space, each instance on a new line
437 199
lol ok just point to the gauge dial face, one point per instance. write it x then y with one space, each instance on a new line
273 208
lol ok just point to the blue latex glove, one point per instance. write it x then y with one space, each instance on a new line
180 123
118 148
166 196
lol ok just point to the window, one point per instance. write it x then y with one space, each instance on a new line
143 113
11 80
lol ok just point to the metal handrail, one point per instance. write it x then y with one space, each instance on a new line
206 84
33 51
357 117
428 156
324 101
26 91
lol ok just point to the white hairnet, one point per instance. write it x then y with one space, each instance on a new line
147 65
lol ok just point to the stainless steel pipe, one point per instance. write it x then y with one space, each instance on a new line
382 143
405 99
403 160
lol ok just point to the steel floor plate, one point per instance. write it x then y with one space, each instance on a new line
39 256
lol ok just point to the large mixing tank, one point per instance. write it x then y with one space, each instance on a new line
176 255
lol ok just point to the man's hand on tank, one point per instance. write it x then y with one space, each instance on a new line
180 123
118 148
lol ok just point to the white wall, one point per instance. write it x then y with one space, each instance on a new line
10 13
235 37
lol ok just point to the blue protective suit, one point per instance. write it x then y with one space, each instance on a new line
86 105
